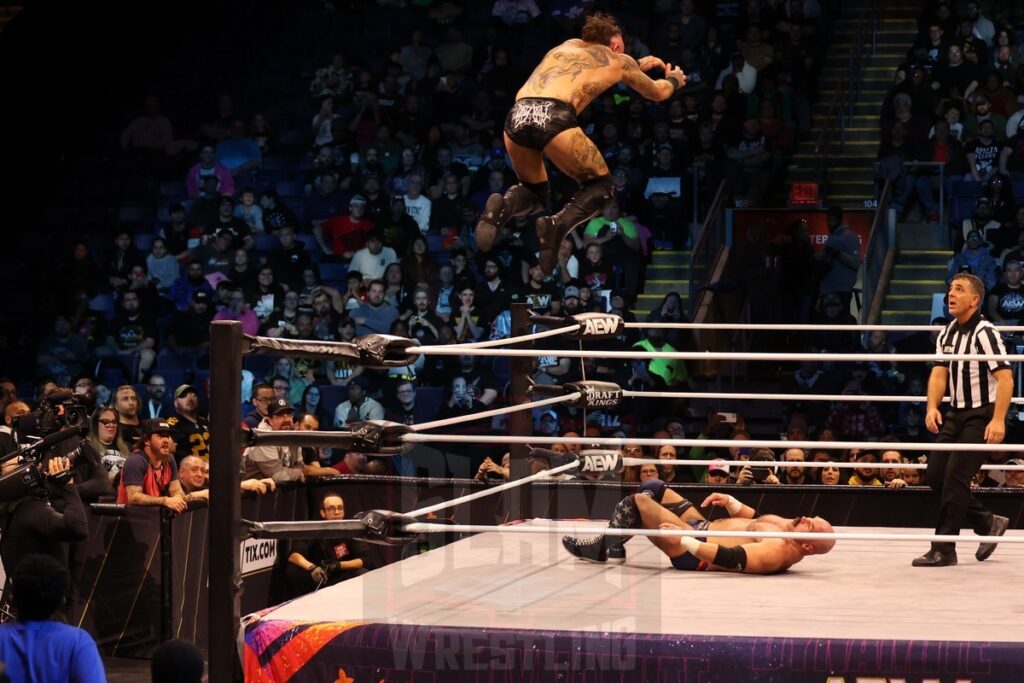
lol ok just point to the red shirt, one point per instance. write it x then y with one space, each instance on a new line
345 235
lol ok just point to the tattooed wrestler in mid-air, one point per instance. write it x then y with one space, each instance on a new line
542 123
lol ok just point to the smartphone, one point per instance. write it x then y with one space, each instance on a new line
729 417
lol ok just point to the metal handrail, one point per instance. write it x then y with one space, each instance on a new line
872 279
700 244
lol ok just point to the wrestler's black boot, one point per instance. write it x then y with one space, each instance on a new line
604 548
519 200
587 202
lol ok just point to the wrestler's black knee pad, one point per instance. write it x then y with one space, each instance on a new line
588 201
656 488
626 515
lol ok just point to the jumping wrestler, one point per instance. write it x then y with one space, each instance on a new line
751 555
542 122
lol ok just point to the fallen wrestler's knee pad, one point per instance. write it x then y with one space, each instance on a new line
655 488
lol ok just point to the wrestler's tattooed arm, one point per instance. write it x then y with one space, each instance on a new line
635 78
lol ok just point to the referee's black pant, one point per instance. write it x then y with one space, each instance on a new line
949 474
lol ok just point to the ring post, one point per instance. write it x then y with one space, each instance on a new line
520 423
225 580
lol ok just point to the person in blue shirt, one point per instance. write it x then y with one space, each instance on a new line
36 648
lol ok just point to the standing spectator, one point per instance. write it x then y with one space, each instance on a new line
40 646
842 256
207 167
280 463
126 400
190 430
150 475
358 407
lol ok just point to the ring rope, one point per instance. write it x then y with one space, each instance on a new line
713 443
575 529
795 327
473 346
715 355
630 462
490 491
472 417
783 397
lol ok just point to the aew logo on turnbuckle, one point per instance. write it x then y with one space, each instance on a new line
601 461
531 113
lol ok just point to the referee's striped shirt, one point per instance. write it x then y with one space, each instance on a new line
971 384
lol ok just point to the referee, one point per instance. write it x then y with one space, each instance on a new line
979 394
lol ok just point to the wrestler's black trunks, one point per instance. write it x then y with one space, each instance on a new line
687 562
533 121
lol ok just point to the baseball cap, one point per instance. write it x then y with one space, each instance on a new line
278 406
361 382
201 295
156 426
184 389
1015 461
718 466
572 291
357 200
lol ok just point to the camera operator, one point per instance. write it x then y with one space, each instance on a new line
31 524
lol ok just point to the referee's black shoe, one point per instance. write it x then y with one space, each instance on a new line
997 528
934 558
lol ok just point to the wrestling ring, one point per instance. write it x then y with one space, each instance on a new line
506 602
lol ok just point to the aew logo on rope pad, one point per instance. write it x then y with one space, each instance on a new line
598 325
601 461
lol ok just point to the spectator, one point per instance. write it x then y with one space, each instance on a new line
150 474
493 295
974 259
189 429
842 256
358 407
311 403
106 439
406 409
1014 479
753 154
163 268
1006 300
39 646
156 404
262 395
207 167
1011 156
891 475
373 259
62 354
375 315
459 401
323 562
794 474
333 79
666 373
185 286
126 400
344 236
176 661
982 153
123 258
416 204
248 211
280 463
466 319
239 153
718 473
867 475
745 73
238 310
190 329
289 259
830 476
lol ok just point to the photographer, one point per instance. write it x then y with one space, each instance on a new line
754 472
460 400
31 524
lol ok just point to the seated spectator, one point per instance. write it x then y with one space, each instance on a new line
1011 156
126 400
416 204
62 354
982 153
955 78
358 407
239 153
313 564
891 475
280 463
375 315
794 474
40 646
163 268
289 259
459 400
207 167
123 257
150 474
276 213
974 259
216 254
866 475
106 439
742 70
667 373
193 279
238 309
317 460
491 471
190 430
190 329
753 154
982 111
754 472
1014 479
830 476
373 259
405 409
157 403
344 236
466 318
718 473
1006 300
249 211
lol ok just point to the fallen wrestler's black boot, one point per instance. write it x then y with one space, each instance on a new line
519 200
588 201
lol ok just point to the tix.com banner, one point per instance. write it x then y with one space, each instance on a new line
778 223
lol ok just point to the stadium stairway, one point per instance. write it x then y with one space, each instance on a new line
922 255
850 174
669 271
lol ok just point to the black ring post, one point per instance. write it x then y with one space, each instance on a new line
225 581
520 423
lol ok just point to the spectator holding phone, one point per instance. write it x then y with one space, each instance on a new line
753 472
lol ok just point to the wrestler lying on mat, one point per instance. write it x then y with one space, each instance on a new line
656 506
